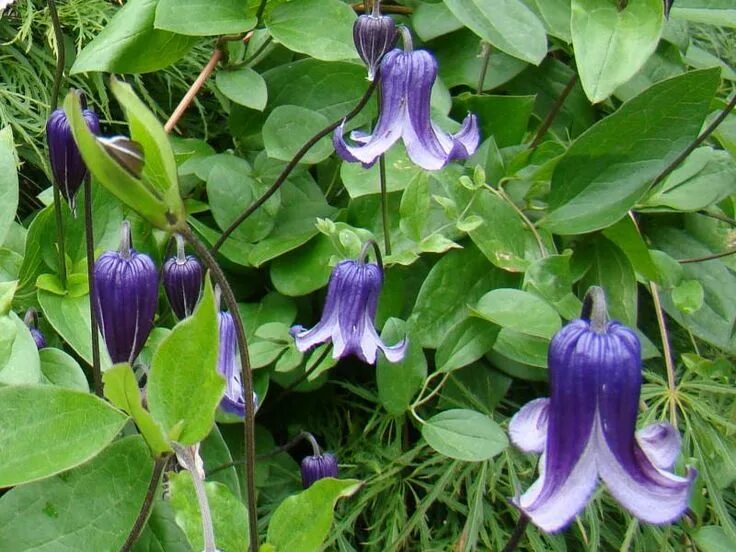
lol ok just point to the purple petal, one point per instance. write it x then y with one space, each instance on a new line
323 331
466 139
528 427
394 76
554 511
661 443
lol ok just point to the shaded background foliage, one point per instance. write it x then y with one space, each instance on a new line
484 270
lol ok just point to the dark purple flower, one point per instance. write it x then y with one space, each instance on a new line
66 162
126 296
182 277
586 429
406 87
228 364
31 321
347 319
318 467
38 338
374 35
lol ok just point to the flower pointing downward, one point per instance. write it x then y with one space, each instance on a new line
586 429
406 87
350 309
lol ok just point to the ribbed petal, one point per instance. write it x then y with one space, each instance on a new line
661 443
229 366
126 296
394 75
466 140
528 427
572 408
183 284
373 37
648 492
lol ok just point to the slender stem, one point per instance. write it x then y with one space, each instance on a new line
595 309
60 58
140 522
695 143
187 456
718 216
708 257
486 53
361 7
669 365
312 441
194 89
90 244
58 75
384 204
542 130
517 534
246 377
290 167
259 13
532 228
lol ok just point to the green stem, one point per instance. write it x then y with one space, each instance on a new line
486 53
145 510
556 108
90 244
290 167
58 75
246 377
384 204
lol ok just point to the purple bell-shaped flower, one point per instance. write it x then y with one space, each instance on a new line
374 35
126 296
349 314
319 465
182 277
586 430
228 365
31 320
67 165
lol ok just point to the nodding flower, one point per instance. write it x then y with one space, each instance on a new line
406 86
349 314
319 465
586 430
67 166
228 365
182 275
374 35
125 300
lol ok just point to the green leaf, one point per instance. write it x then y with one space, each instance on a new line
305 269
8 181
399 382
130 44
712 538
507 24
612 44
476 387
625 235
288 127
518 310
58 368
19 362
506 118
414 208
465 435
607 170
459 278
302 521
523 349
203 17
551 278
301 27
183 396
161 533
243 86
229 516
121 389
712 12
53 429
556 17
432 20
400 172
92 507
688 296
465 343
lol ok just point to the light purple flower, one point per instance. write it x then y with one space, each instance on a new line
347 319
228 364
586 430
406 86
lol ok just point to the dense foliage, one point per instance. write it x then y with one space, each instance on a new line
607 157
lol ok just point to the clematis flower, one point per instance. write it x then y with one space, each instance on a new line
586 429
228 365
66 162
318 467
406 86
182 277
374 35
125 298
350 309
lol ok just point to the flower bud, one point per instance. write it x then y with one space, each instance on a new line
126 296
66 162
31 321
318 467
38 337
228 365
374 35
182 276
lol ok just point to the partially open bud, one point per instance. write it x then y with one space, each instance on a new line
66 162
318 467
126 296
182 281
31 320
374 35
